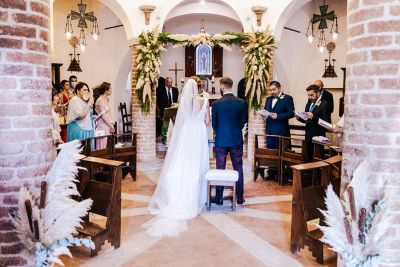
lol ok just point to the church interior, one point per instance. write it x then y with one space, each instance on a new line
352 47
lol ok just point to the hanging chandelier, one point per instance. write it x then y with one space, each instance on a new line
323 25
82 16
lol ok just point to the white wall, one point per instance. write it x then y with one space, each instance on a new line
108 59
232 60
298 63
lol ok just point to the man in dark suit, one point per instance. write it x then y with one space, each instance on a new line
316 109
281 108
327 96
166 96
229 115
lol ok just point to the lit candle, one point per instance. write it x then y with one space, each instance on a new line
212 79
182 81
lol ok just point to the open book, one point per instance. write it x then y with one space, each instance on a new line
263 112
325 124
302 115
99 115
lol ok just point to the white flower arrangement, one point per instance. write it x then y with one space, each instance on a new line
259 51
357 226
148 65
45 225
258 59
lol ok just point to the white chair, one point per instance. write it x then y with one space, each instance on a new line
221 178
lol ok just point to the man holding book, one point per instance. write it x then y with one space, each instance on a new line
316 109
280 109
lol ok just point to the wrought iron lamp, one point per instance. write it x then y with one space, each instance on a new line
82 15
323 25
330 68
74 65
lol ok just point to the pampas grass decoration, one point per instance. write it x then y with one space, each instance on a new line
45 224
356 227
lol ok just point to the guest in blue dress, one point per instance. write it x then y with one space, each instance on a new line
80 114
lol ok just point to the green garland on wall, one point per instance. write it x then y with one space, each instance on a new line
257 46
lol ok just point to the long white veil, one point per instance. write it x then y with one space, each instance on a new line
172 218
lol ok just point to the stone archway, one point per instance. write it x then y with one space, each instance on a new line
145 125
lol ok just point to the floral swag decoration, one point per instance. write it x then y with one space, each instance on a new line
258 48
357 227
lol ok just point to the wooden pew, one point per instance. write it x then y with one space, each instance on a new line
308 197
106 202
266 157
126 153
293 151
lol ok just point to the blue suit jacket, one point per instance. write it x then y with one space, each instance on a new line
229 115
284 108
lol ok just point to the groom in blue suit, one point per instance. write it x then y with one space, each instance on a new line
281 108
229 115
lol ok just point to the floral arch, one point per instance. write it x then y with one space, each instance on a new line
258 47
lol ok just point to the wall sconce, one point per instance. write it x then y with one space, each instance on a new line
147 9
74 65
259 11
330 68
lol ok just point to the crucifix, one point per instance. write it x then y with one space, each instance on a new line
175 70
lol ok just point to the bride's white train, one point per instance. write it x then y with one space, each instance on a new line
181 189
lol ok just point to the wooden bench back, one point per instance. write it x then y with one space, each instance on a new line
106 201
309 195
287 149
101 194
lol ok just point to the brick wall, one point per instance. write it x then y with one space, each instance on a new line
256 125
372 101
25 136
144 125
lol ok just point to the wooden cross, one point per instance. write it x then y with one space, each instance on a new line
175 70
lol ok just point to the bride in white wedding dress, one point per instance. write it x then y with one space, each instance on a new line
181 189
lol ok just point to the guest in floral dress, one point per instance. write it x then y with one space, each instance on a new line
102 107
79 117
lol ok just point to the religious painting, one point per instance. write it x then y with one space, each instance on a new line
203 60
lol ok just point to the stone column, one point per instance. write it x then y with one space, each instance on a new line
25 120
143 125
372 101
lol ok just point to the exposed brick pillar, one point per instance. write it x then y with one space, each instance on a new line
256 125
25 89
372 107
144 125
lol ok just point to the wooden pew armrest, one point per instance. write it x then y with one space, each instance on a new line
309 166
91 229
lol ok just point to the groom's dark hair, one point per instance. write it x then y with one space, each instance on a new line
227 82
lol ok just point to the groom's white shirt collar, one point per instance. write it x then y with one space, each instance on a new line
227 93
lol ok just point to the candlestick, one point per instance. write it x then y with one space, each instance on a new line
212 79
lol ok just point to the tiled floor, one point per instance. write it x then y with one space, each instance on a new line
257 234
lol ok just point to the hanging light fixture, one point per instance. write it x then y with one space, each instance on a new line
74 65
82 16
330 67
323 25
202 29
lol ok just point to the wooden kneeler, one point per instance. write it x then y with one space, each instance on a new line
106 202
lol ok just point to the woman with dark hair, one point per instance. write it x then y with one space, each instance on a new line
66 91
102 107
79 117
